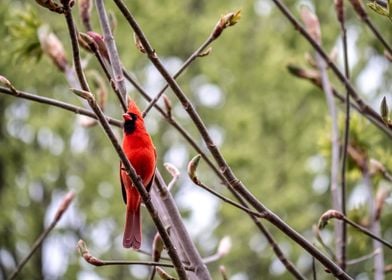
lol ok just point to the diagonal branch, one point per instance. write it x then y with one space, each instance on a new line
226 170
112 49
105 125
353 93
57 103
60 211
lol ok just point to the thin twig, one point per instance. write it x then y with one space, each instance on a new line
60 211
57 103
335 149
75 45
189 248
333 214
367 232
192 166
312 26
314 78
360 10
226 170
361 104
277 250
362 259
190 59
85 253
112 49
341 18
374 226
314 271
93 47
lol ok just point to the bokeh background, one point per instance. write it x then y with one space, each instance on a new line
272 128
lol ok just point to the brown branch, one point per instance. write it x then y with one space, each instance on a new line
333 214
314 78
192 166
360 10
191 58
178 228
105 125
339 7
85 253
353 93
312 26
93 40
58 104
227 172
59 213
75 45
112 49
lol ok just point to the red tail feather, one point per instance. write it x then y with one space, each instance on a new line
133 229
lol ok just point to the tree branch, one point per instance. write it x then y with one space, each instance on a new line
58 104
227 172
112 49
59 213
105 125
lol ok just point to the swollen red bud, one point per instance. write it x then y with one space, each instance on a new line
83 94
311 23
87 256
52 47
64 205
163 274
225 21
330 214
168 105
157 247
100 43
192 167
303 73
384 110
5 82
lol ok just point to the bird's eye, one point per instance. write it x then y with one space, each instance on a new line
133 116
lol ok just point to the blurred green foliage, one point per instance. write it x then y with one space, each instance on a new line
272 129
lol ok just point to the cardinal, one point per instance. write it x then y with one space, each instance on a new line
140 151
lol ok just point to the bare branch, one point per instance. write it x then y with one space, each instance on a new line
59 213
85 253
333 214
226 171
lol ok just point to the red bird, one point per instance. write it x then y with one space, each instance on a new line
140 151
